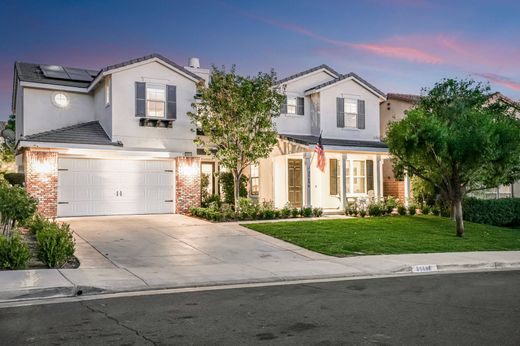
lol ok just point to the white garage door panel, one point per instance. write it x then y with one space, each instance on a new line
112 187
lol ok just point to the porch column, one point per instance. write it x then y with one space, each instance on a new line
344 180
406 189
308 200
378 177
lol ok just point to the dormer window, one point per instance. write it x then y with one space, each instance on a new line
155 100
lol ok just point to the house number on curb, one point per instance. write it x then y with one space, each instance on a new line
424 268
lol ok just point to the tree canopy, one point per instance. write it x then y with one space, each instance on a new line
235 114
460 139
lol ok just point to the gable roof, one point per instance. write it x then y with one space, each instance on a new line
404 97
346 76
148 57
85 133
303 73
31 72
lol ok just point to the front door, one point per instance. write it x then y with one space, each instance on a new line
295 182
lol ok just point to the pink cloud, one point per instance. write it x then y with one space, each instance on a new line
500 80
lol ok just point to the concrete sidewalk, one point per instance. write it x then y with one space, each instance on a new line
47 283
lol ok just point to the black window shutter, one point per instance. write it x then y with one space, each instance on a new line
340 112
361 114
300 106
171 102
140 99
370 175
283 109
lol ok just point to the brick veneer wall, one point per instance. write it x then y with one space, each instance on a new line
392 187
41 180
187 187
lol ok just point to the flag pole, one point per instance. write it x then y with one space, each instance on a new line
314 151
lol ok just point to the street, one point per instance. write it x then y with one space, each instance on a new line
457 309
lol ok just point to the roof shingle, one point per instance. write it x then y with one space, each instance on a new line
345 76
85 133
303 73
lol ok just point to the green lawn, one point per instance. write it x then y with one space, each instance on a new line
390 235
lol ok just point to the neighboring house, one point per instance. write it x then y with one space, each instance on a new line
394 109
113 141
344 109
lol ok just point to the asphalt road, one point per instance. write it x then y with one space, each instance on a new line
455 309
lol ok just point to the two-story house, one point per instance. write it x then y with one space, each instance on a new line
344 110
113 141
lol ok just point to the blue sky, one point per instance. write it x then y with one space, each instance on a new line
397 45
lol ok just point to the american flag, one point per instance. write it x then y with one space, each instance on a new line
318 149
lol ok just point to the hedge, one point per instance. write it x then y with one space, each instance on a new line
497 212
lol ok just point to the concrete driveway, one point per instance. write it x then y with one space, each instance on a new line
176 250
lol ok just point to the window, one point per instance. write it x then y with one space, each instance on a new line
60 100
291 105
107 91
351 113
334 180
347 175
155 100
358 176
255 180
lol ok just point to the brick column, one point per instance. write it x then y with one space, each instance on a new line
41 180
187 187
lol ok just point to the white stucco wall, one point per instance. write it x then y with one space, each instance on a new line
349 89
125 125
300 124
103 113
40 114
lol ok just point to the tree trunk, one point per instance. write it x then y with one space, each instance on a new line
457 211
236 177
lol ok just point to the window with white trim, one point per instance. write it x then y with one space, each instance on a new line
292 103
359 176
255 179
351 113
155 100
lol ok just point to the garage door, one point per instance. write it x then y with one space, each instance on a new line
114 187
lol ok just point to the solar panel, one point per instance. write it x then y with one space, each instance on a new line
54 71
78 74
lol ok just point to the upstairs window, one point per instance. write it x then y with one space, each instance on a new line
351 113
293 105
155 100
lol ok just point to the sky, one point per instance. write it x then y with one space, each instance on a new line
399 46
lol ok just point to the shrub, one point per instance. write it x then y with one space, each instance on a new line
306 212
15 178
15 205
401 209
228 187
351 210
425 209
497 212
412 210
211 199
317 212
285 212
390 205
55 244
436 210
376 209
362 213
295 212
36 223
14 252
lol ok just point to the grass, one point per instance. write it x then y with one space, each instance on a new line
390 235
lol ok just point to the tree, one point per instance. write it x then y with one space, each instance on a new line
235 114
459 139
6 151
